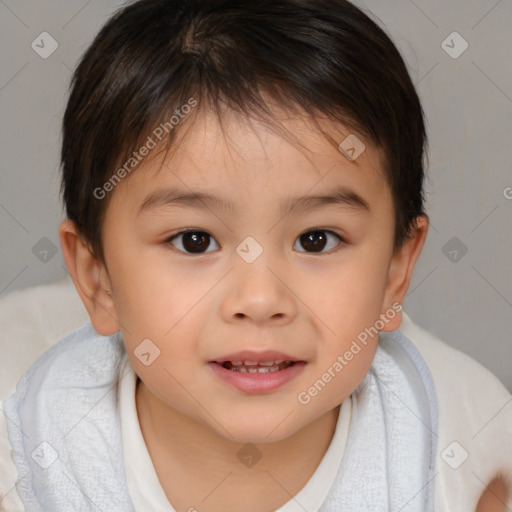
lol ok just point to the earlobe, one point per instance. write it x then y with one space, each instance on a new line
400 271
90 278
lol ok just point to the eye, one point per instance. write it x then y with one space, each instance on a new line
194 242
317 240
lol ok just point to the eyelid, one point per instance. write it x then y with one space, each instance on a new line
185 230
342 240
167 240
325 230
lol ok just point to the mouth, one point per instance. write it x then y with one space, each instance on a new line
257 377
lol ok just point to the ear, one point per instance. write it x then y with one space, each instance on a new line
400 272
91 279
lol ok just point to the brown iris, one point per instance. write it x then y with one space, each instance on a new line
314 241
196 241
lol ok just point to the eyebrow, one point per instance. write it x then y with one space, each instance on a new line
340 196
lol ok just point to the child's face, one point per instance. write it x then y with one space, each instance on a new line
203 306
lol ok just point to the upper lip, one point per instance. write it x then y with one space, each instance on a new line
258 357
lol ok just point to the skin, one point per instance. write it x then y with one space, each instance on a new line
198 307
494 497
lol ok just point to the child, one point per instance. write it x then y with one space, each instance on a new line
243 189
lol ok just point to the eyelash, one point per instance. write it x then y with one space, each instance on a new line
169 240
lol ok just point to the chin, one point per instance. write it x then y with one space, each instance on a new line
257 429
258 437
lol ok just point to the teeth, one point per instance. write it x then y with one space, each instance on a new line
263 367
268 369
255 363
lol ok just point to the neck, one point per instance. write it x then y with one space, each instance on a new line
180 447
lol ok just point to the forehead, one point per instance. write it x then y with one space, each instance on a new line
243 157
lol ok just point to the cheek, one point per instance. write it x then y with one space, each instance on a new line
347 296
165 353
158 302
153 293
349 303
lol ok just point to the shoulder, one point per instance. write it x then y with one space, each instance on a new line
475 422
32 320
65 383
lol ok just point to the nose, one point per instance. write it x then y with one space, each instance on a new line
258 294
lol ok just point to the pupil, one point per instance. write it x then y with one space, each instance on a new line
316 240
194 241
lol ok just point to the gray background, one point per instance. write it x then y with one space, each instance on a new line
463 297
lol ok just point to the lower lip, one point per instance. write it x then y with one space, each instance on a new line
257 382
